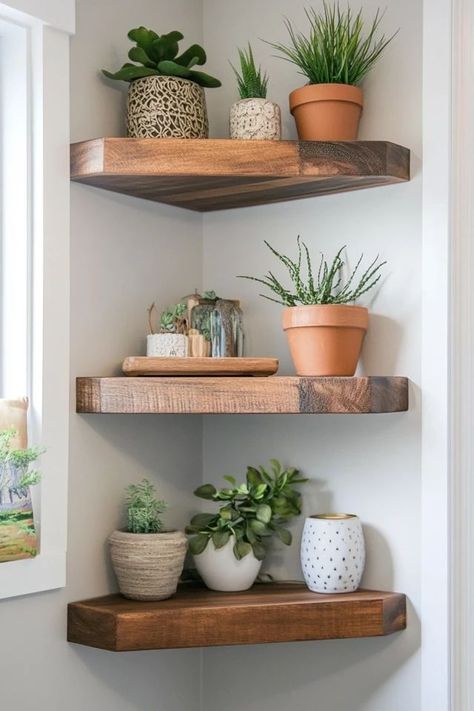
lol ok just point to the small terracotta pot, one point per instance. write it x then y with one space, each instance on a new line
327 112
325 340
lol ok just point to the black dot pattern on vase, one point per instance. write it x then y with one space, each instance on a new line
332 554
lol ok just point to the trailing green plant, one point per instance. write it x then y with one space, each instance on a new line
251 81
252 512
157 55
327 286
143 508
336 48
16 474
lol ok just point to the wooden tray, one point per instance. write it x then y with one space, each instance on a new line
143 366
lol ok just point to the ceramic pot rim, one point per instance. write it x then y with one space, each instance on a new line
329 315
334 516
160 78
326 92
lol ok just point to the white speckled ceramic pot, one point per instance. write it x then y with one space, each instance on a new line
255 119
333 553
167 345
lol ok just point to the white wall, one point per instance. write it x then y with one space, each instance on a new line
124 254
368 464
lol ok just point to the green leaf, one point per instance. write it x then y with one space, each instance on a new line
264 513
198 543
129 73
194 54
254 478
225 513
231 479
259 491
165 47
201 520
259 528
205 80
284 535
143 37
241 549
138 54
220 538
259 550
206 491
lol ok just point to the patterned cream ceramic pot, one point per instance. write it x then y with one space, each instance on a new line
255 119
166 107
333 553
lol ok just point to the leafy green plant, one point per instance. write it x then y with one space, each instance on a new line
143 508
326 287
251 512
157 55
173 319
16 474
336 48
251 81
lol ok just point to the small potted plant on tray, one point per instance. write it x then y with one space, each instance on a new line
229 546
335 56
253 117
147 560
172 339
166 95
325 329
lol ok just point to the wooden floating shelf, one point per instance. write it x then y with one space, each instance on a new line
242 395
197 617
217 174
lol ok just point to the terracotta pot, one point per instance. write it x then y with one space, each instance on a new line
325 340
327 112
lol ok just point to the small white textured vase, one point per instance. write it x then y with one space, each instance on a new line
167 345
255 119
333 553
220 569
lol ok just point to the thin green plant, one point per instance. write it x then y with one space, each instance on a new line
336 49
326 286
252 82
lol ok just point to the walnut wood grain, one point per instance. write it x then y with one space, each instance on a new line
196 617
216 174
139 366
242 395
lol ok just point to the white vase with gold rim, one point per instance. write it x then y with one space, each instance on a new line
333 552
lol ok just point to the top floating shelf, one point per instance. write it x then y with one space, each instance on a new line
217 174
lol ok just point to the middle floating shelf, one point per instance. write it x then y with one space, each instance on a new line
242 395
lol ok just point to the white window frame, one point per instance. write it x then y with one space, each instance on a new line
49 25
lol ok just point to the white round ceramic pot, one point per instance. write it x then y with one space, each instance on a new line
255 119
220 569
333 553
167 345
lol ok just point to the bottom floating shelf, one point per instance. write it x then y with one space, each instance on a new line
197 617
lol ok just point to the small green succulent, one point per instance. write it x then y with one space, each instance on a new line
173 319
143 508
251 80
157 55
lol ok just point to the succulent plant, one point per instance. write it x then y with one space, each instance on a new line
251 80
157 55
173 319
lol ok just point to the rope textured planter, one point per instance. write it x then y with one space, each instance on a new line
148 565
166 107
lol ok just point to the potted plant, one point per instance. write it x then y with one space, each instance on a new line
166 94
229 546
325 329
147 560
335 56
253 117
172 339
17 527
